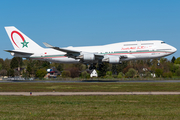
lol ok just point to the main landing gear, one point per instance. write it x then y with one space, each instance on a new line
92 66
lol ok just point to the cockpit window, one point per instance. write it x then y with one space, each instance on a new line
162 42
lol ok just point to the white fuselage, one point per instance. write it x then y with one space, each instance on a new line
134 50
112 53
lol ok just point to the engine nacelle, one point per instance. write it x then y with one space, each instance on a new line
88 57
114 60
12 54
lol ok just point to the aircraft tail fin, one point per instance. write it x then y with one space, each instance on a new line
19 40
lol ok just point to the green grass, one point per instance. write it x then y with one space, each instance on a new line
88 87
91 107
108 107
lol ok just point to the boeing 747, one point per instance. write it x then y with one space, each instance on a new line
112 53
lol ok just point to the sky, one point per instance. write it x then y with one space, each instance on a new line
64 23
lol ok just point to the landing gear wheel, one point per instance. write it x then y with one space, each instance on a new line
92 66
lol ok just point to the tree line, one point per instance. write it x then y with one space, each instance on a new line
128 69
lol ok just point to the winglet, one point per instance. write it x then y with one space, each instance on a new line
48 45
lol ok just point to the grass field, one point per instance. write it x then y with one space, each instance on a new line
117 107
128 107
88 87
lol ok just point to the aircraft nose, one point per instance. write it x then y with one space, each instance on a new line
174 49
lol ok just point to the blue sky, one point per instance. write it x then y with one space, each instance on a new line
91 22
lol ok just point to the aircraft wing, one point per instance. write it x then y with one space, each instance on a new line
85 56
19 52
71 53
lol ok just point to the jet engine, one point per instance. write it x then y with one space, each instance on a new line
88 57
113 60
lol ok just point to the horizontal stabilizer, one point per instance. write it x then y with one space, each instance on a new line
19 52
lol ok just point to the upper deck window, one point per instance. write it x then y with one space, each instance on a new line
129 44
162 42
147 43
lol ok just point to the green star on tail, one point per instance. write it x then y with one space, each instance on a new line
24 43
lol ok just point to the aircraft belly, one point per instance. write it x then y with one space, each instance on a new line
145 55
150 55
65 60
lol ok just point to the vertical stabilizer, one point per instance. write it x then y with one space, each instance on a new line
19 40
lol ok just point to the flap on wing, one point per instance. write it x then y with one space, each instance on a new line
19 52
123 56
100 56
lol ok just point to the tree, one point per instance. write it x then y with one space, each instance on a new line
131 73
148 62
29 70
0 66
16 62
74 72
114 69
103 68
140 67
84 74
10 72
60 67
109 74
177 61
6 64
66 73
178 72
173 67
24 74
154 62
159 72
41 73
153 68
34 66
79 66
173 59
125 70
1 63
26 61
163 60
120 75
167 74
120 67
3 73
45 64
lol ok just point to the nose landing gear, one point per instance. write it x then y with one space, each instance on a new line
158 64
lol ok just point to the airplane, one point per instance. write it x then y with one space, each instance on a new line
112 53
